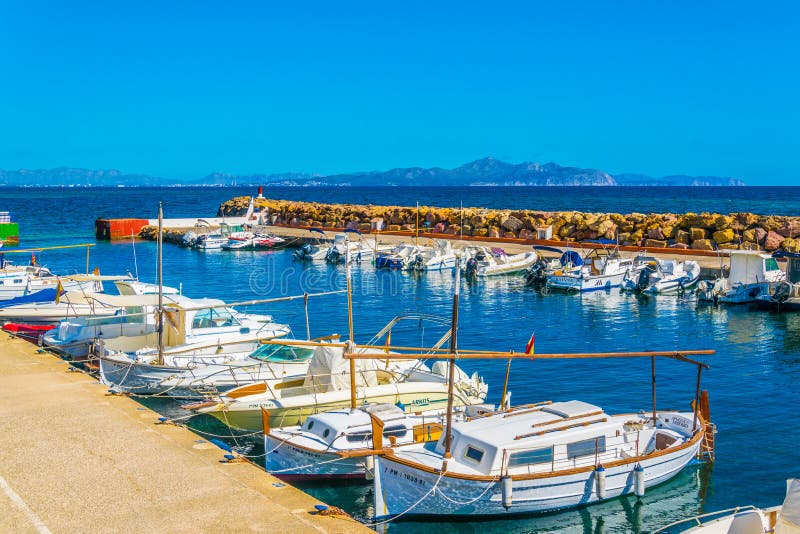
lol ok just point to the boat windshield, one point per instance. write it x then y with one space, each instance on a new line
214 318
282 353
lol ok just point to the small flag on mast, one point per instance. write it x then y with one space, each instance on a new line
59 292
529 346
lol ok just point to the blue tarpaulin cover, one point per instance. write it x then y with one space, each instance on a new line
572 257
44 295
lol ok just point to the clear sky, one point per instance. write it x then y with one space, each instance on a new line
187 88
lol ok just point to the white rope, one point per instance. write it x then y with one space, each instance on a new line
404 512
490 486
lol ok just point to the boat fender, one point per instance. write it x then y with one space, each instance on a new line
600 481
507 491
638 480
369 467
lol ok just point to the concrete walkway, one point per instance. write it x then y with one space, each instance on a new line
75 460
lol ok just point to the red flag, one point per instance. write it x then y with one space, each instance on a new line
529 346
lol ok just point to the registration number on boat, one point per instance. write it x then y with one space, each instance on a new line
407 476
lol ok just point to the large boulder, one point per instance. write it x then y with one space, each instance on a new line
746 245
721 222
703 244
696 234
791 245
723 236
682 237
655 243
773 241
656 233
790 229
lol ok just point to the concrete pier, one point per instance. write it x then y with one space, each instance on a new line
73 459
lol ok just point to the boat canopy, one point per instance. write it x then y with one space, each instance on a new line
329 371
317 230
352 231
571 257
750 267
96 278
44 295
548 249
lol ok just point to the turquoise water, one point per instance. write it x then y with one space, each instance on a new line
753 381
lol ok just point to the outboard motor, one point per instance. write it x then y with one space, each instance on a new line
304 251
333 255
644 279
472 267
188 239
781 293
535 273
417 263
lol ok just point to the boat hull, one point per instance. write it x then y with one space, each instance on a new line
401 489
584 284
284 460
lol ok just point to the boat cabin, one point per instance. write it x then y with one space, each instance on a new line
753 267
551 437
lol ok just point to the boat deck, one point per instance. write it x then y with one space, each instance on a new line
75 460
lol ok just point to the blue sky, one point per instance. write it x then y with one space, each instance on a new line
187 88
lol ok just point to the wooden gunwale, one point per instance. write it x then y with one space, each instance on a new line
552 474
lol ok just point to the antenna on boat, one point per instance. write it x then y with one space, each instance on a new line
160 276
416 230
348 269
452 364
135 263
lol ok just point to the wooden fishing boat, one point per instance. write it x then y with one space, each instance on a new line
543 457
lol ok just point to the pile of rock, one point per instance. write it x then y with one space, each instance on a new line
704 231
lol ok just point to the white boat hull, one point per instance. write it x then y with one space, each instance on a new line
585 283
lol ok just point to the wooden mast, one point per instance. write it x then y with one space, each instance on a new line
160 276
452 363
350 340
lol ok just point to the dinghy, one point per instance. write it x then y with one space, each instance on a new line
345 250
484 261
785 295
439 257
652 276
315 250
399 257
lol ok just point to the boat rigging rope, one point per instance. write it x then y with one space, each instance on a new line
490 486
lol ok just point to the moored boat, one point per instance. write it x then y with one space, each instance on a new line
598 270
484 261
659 277
752 274
785 295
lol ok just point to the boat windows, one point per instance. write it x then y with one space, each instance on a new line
770 264
310 424
354 437
213 318
326 433
586 447
536 456
397 431
282 353
473 453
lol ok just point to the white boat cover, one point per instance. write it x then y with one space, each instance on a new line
329 371
789 522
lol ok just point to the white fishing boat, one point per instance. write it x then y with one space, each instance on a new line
485 261
341 443
751 275
783 519
658 277
345 249
544 456
784 296
399 257
440 256
600 269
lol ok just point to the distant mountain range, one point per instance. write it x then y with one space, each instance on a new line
482 172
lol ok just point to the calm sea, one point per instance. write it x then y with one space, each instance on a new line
753 381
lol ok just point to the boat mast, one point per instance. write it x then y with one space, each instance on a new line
350 327
159 275
451 369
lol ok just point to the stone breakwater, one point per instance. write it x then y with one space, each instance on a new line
698 231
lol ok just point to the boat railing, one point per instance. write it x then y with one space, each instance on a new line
701 520
630 444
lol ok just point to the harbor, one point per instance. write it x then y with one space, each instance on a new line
296 293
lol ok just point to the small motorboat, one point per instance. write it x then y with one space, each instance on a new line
751 274
399 257
347 250
536 275
484 261
213 241
316 249
439 257
600 269
783 519
652 276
